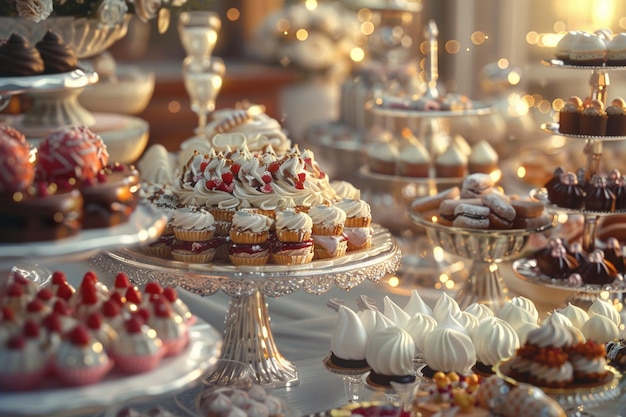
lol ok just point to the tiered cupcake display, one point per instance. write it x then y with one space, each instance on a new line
588 267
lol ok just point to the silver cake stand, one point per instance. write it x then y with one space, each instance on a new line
247 336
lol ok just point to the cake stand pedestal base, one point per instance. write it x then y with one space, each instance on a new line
248 339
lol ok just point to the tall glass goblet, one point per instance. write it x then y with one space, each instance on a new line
198 32
203 81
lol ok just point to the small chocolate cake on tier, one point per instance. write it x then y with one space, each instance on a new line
566 192
19 58
599 196
613 253
555 262
597 270
57 56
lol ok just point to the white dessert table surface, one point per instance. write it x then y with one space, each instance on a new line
302 323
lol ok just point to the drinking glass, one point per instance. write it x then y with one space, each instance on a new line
198 32
203 81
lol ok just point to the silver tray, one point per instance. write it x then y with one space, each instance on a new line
553 129
557 63
172 374
526 269
77 78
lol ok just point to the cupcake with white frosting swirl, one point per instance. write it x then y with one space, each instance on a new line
193 231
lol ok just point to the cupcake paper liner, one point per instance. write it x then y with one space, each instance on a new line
248 238
321 253
249 261
358 222
194 258
292 259
328 230
293 235
134 364
194 235
83 376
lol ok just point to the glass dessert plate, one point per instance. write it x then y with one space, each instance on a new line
145 224
486 248
588 395
172 374
244 340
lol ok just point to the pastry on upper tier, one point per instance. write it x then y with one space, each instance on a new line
616 50
56 54
588 49
19 58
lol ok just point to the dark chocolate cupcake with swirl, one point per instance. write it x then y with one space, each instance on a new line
599 196
57 55
19 58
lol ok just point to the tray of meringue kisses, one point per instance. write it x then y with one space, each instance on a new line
92 345
480 361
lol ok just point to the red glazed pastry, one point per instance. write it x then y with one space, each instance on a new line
71 153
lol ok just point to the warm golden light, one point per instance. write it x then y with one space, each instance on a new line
452 47
357 54
283 25
173 106
478 37
367 28
521 172
302 34
310 4
233 14
364 14
393 281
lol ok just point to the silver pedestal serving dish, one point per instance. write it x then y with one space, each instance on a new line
487 249
247 336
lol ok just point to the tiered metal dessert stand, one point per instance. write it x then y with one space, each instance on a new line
526 269
248 336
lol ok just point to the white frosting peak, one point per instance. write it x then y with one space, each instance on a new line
395 313
600 328
494 340
391 351
604 308
577 315
417 305
444 307
450 349
348 339
419 327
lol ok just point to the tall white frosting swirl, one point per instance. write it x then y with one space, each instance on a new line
345 189
444 307
480 311
559 318
394 312
293 220
327 215
417 305
450 348
606 309
251 222
419 327
494 340
157 165
553 334
348 338
354 208
196 219
259 129
515 315
374 321
577 315
390 352
526 304
600 328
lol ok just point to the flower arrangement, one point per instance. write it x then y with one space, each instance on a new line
314 37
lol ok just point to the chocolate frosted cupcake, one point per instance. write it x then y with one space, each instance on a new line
593 120
567 192
19 58
597 270
616 118
599 196
569 116
56 54
555 262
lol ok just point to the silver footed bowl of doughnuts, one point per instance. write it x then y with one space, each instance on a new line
478 221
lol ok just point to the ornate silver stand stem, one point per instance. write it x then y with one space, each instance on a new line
248 338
